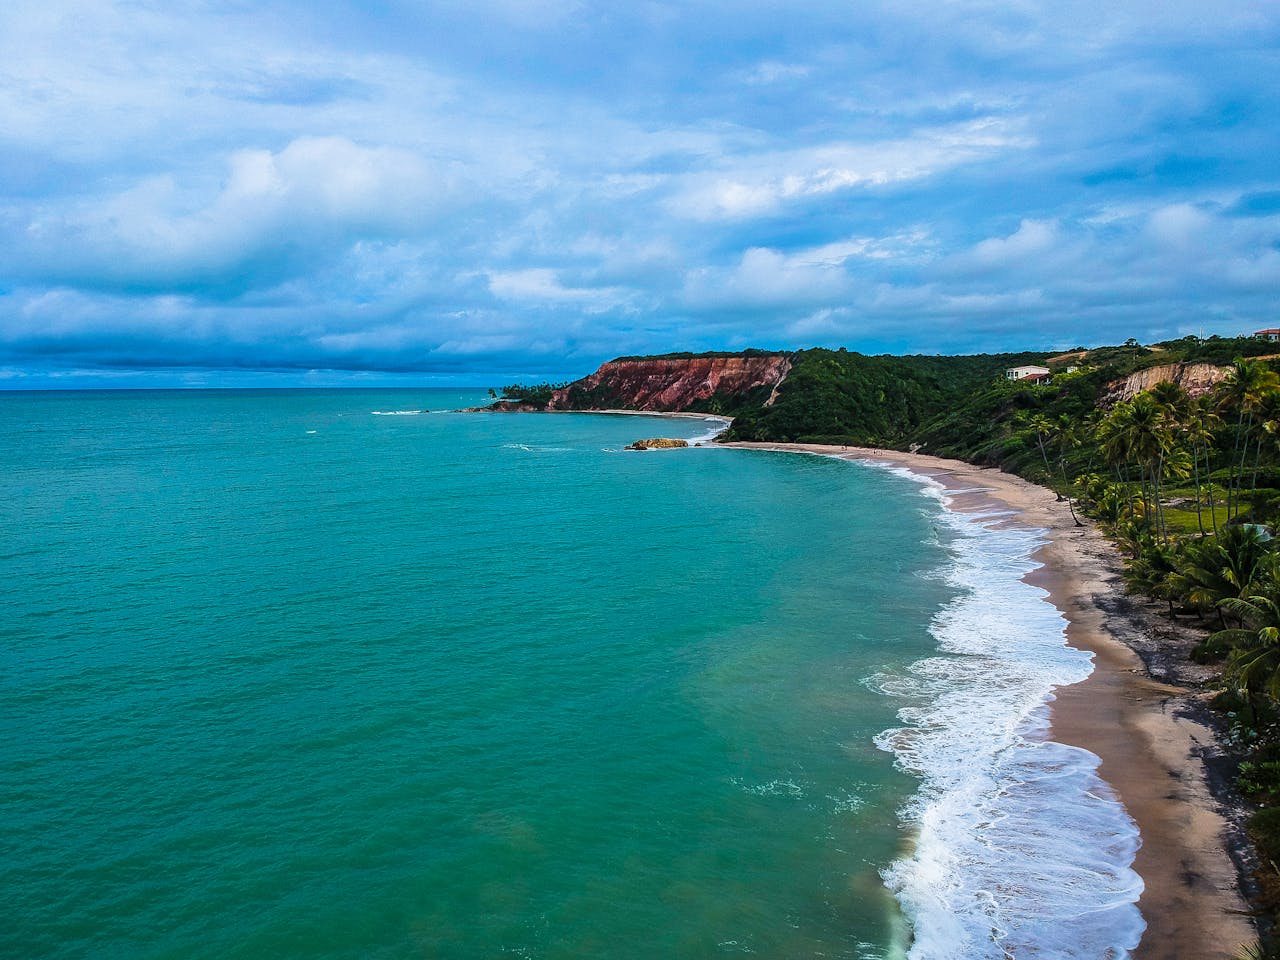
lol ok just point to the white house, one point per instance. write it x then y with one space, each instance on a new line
1027 373
1272 334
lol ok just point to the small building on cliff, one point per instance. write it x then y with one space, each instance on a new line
1031 374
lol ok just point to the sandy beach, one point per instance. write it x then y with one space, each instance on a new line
1156 751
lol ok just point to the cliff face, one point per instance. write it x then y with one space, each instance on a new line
1195 378
710 384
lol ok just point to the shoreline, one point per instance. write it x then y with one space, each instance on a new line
1156 750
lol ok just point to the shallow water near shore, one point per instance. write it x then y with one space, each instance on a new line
321 674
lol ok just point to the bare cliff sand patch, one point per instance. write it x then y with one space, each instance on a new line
1197 379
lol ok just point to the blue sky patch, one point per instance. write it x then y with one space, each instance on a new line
529 187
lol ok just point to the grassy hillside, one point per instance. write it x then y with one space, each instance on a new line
836 396
1186 484
960 406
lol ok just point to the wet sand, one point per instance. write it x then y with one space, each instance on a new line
1154 750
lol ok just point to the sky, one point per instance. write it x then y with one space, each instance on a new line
284 192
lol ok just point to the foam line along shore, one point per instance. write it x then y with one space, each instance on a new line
1150 747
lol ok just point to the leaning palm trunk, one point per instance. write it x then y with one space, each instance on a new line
1145 481
1213 507
1155 490
1235 454
1195 472
1239 470
1127 486
1066 484
1257 455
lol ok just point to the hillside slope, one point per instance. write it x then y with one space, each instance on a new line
956 406
838 396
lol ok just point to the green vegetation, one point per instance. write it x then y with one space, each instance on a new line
836 396
686 355
538 394
1187 484
959 406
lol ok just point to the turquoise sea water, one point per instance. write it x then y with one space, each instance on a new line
285 677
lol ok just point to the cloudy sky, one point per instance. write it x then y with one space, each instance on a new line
300 191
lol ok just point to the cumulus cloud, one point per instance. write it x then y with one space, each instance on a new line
542 285
1032 238
774 71
544 185
765 278
768 183
274 214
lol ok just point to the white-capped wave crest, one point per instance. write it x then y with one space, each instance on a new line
528 448
718 427
1021 849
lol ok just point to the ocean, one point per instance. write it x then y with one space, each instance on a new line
345 674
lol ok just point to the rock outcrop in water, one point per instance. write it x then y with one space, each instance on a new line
505 406
1195 378
657 443
700 383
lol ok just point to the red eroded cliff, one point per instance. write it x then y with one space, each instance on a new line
674 383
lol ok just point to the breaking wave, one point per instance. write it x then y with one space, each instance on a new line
1021 849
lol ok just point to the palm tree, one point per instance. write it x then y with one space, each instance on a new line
1109 504
1173 400
1242 391
1153 571
1268 416
1044 428
1254 664
1177 407
1201 424
1115 438
1219 568
1068 439
1147 437
1175 464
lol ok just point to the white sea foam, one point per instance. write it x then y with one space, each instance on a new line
1022 850
398 413
720 427
530 449
772 788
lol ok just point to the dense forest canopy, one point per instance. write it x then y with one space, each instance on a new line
955 405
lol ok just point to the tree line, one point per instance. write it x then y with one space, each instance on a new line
1187 487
